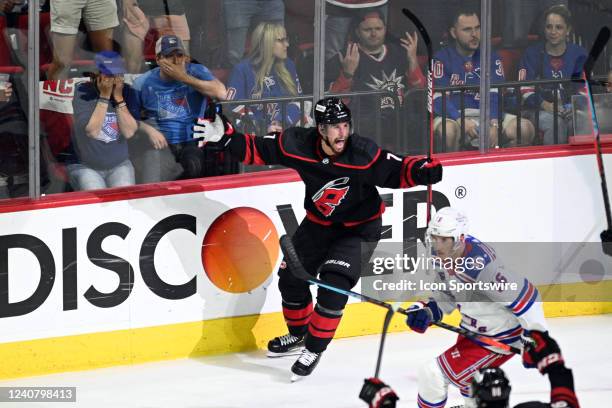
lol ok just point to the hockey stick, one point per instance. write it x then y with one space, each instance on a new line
297 269
430 85
600 42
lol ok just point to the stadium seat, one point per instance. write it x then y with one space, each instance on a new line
510 60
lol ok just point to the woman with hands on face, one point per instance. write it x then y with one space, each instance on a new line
105 117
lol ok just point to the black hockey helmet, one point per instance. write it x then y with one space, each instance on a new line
331 110
490 388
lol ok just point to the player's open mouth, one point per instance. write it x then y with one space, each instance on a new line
339 143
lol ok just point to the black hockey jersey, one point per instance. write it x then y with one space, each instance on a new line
339 189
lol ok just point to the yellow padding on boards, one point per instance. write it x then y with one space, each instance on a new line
87 351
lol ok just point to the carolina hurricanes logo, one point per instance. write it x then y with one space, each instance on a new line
330 195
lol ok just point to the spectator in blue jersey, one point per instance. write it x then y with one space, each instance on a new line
554 58
267 73
459 65
105 116
171 97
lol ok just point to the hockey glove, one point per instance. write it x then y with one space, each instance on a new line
544 353
214 127
426 172
606 241
423 316
377 394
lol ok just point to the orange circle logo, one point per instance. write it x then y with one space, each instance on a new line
240 249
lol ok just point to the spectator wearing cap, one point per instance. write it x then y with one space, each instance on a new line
105 115
171 97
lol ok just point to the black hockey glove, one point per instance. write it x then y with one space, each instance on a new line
377 394
606 241
426 172
544 353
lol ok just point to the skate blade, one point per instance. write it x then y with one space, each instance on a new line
295 378
295 352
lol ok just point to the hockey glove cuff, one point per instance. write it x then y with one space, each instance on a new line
377 394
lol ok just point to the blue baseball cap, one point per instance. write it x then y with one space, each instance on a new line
109 63
167 44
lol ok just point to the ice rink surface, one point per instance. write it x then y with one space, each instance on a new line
253 380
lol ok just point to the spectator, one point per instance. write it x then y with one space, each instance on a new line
171 97
165 16
100 17
373 63
105 115
554 58
340 14
267 73
240 15
459 65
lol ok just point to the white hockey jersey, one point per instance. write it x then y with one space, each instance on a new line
486 307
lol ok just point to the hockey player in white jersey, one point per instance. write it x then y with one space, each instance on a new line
503 315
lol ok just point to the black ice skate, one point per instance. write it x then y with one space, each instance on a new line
305 364
287 345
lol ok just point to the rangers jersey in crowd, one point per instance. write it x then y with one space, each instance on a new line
242 86
503 308
454 69
538 64
338 189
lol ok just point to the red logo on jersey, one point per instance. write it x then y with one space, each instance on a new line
556 63
331 195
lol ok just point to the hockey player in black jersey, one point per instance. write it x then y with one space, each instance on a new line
342 226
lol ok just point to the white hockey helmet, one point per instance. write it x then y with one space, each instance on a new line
447 222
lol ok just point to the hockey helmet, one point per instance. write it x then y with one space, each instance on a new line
448 222
490 388
331 110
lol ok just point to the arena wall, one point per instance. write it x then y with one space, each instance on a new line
184 269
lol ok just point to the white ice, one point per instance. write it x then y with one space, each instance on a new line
253 380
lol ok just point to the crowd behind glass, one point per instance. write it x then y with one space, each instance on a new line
122 81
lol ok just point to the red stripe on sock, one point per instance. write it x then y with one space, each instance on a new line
298 317
321 326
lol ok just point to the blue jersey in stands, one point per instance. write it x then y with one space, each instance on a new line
242 86
454 69
171 106
538 64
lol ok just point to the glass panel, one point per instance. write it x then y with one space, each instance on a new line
14 177
543 44
272 75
